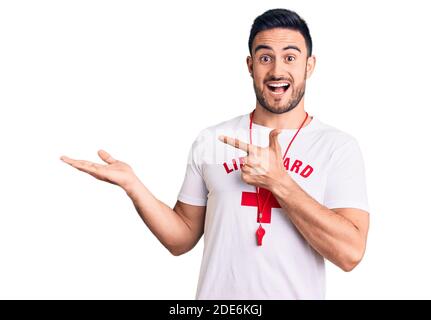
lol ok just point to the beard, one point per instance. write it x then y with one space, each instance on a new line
295 97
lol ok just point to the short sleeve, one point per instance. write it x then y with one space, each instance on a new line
346 182
193 190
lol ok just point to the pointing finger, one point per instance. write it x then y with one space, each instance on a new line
235 143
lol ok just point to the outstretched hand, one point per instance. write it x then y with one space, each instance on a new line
263 166
115 171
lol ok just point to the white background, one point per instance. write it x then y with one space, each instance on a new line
140 80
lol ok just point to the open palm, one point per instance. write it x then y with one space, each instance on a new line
115 171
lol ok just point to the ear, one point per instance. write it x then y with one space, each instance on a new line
250 65
311 63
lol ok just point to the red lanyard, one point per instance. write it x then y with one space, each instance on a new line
261 231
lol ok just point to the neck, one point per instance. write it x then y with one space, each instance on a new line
287 120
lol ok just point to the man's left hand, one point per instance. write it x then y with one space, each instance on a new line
263 167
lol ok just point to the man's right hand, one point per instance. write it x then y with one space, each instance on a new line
115 171
178 229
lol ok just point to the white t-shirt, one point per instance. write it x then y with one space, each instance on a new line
326 163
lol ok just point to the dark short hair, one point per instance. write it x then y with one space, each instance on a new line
281 18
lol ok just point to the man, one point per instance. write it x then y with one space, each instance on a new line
274 195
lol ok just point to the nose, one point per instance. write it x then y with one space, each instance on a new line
279 68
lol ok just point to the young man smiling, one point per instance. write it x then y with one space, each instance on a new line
276 193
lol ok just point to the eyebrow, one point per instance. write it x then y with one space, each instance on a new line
264 46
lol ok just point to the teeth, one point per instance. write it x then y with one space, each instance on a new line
276 85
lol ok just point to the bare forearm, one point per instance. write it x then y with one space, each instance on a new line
168 226
333 236
163 222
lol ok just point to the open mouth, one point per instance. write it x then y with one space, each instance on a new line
278 87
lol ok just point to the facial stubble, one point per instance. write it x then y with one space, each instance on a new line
296 96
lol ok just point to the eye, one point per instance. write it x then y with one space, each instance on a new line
290 58
265 59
